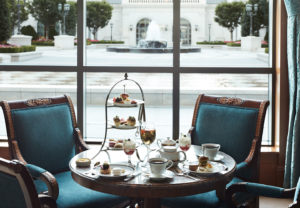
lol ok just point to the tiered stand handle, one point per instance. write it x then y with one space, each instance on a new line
141 110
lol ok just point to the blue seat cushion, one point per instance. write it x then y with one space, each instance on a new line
45 135
204 200
73 195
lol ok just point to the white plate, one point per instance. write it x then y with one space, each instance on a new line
166 176
122 126
216 159
125 105
128 171
114 148
216 168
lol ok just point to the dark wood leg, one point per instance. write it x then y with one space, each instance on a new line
221 192
151 203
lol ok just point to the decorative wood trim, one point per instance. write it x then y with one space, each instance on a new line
81 146
37 102
51 183
230 101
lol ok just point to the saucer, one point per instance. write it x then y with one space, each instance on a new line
218 158
167 175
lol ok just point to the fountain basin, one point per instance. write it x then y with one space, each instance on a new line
152 50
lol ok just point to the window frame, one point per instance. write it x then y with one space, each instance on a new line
176 70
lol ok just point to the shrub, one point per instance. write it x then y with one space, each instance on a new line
211 43
266 50
29 30
16 49
43 42
232 44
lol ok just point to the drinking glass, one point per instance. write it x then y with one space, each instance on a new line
129 146
185 143
148 134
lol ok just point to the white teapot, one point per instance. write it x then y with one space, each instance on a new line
173 155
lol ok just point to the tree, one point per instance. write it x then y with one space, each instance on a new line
13 7
71 19
229 15
260 20
4 21
98 15
46 12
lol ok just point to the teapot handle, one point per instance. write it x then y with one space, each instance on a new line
184 156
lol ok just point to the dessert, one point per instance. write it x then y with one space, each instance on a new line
203 161
133 102
83 162
124 96
118 146
105 168
193 166
117 171
112 142
131 121
117 121
120 140
118 100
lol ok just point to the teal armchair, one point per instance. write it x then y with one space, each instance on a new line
44 133
17 189
237 125
257 189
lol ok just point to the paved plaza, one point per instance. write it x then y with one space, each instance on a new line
157 86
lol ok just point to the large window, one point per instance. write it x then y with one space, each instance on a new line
174 49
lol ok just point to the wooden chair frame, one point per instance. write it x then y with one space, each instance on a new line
14 149
16 169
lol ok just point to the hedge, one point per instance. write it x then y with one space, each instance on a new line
234 44
43 43
16 49
211 43
266 50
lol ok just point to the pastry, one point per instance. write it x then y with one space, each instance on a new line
118 145
124 96
133 102
112 142
117 121
83 162
203 161
105 168
117 171
118 100
131 121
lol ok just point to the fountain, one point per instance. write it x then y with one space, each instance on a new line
153 39
153 43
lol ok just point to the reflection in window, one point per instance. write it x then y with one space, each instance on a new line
141 29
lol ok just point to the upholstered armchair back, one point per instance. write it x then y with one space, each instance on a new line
231 126
45 135
41 132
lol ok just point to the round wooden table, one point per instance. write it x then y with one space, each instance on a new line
142 188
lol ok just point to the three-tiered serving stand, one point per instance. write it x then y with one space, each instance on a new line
110 104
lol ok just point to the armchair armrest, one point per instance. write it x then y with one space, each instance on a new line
258 190
47 201
46 177
80 144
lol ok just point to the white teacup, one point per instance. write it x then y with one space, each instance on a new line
210 150
158 165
